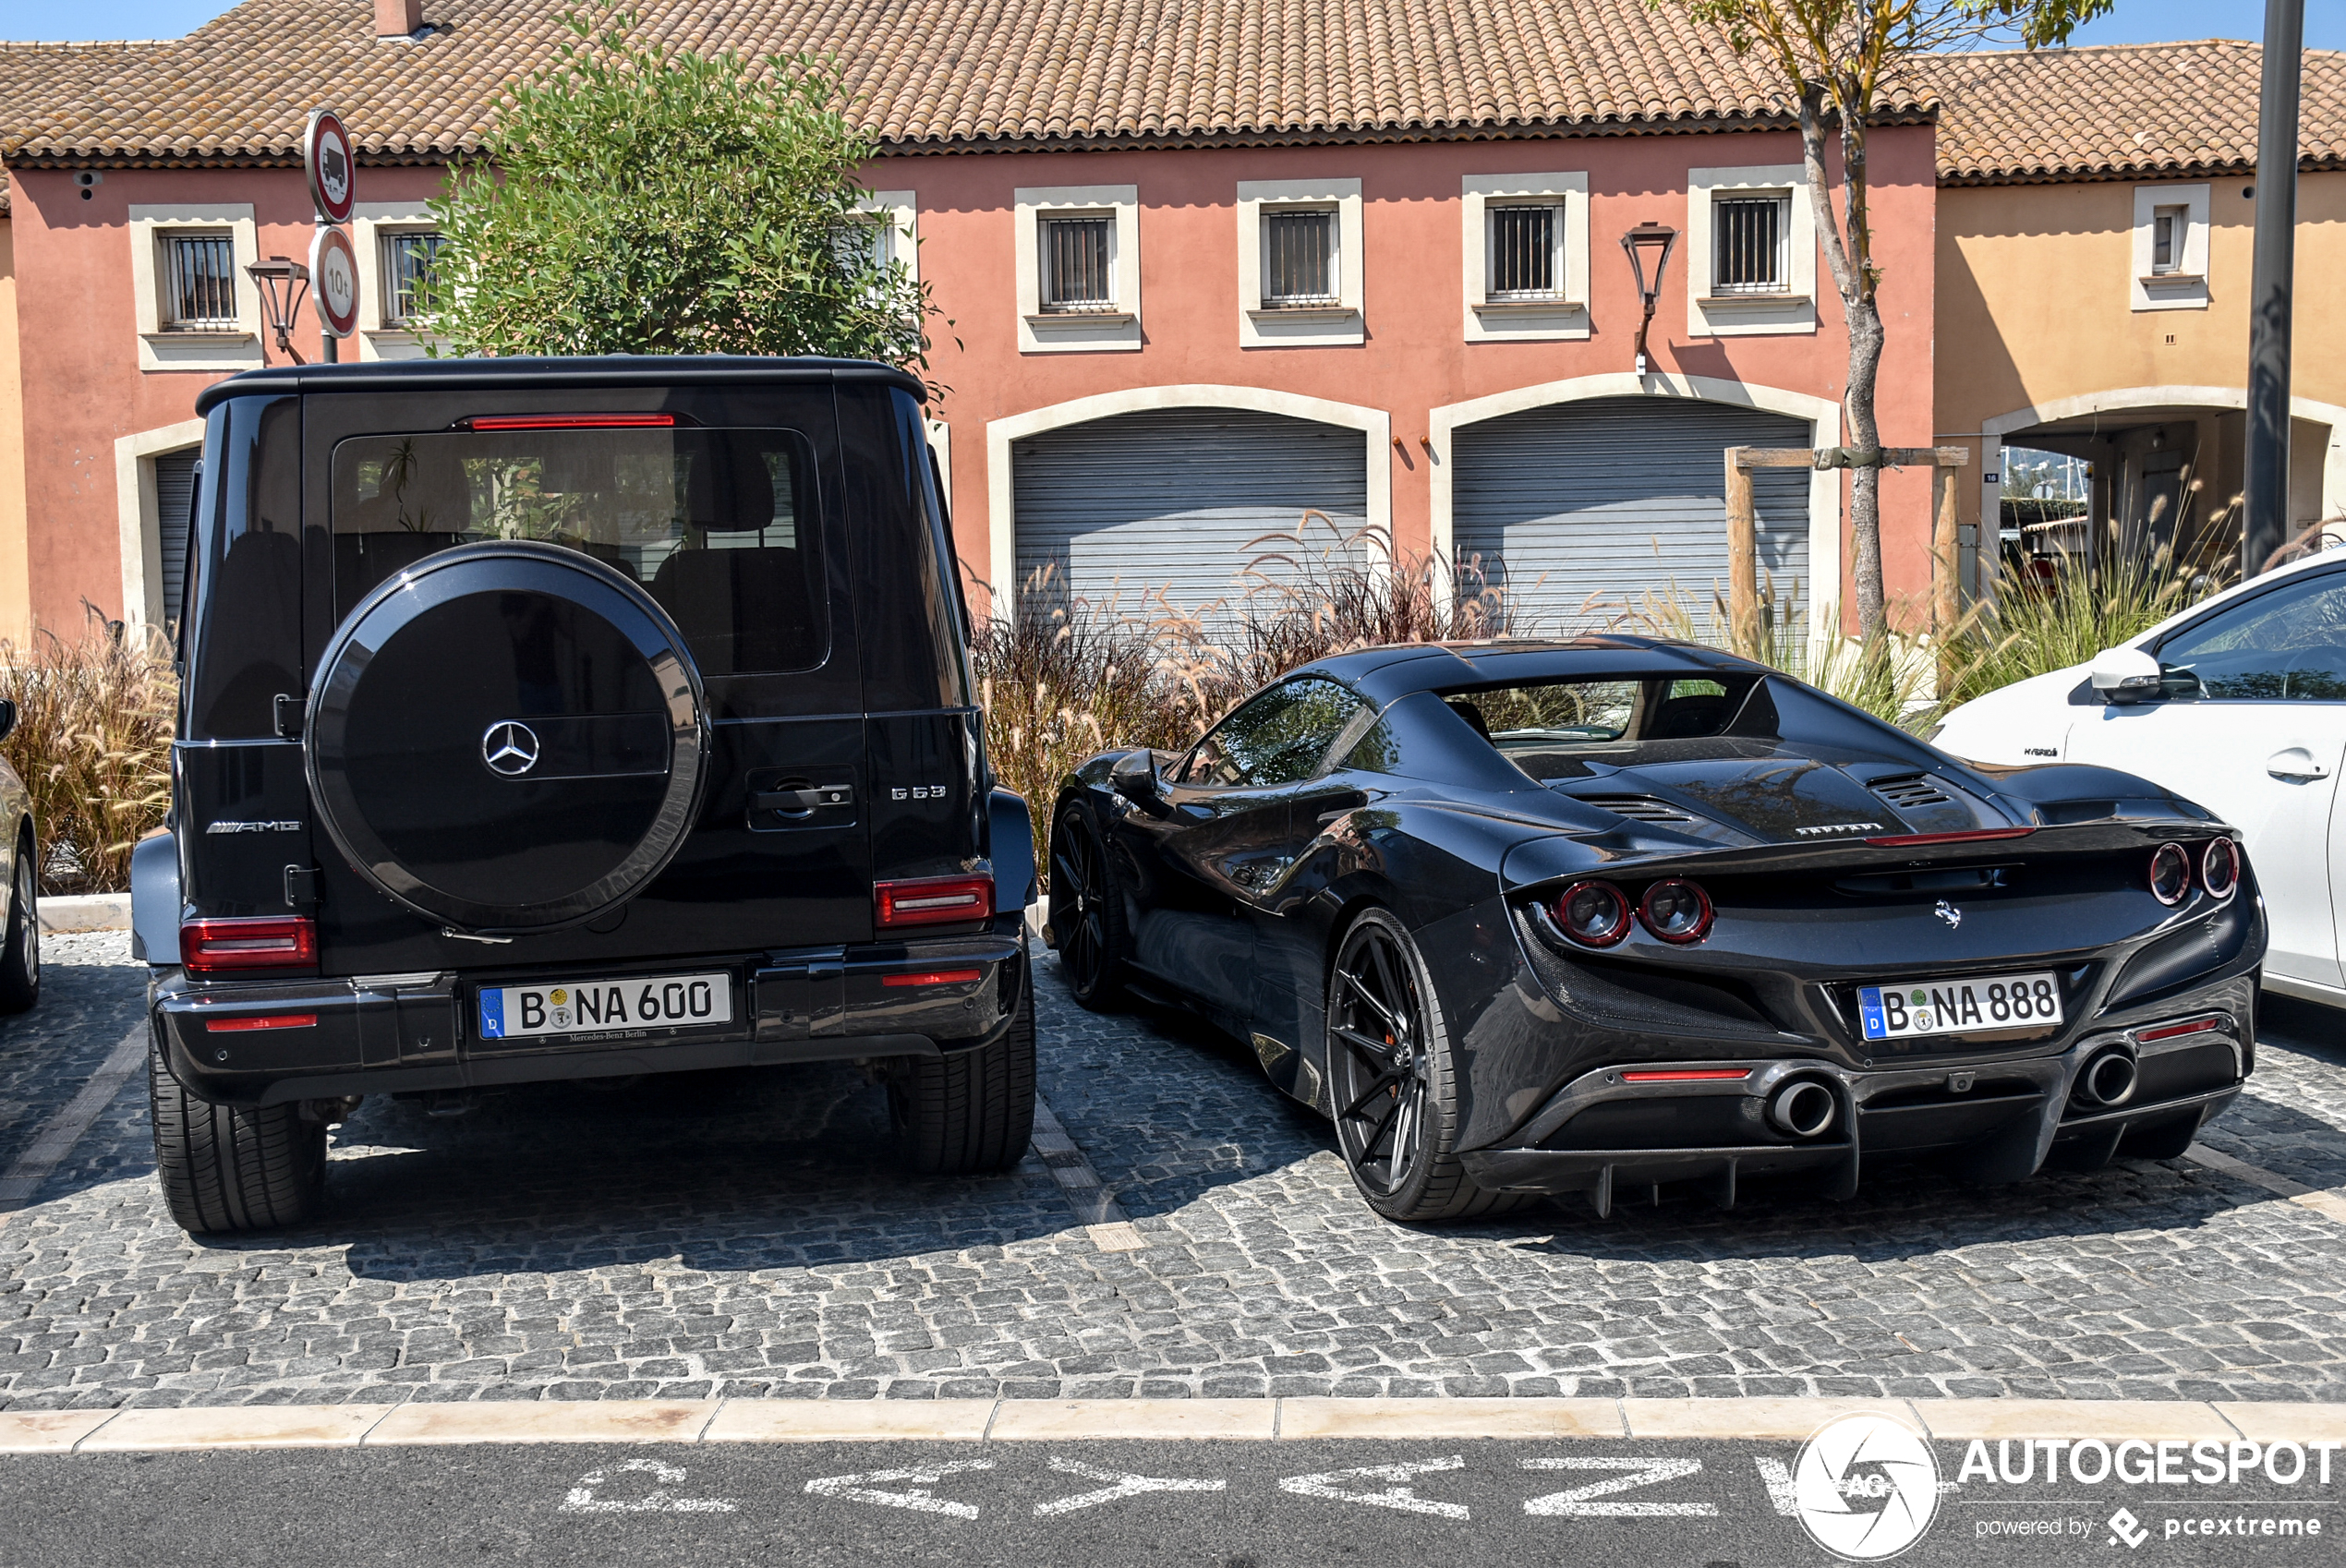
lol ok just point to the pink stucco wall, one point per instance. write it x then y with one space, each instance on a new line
83 388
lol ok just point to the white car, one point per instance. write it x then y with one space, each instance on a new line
2238 704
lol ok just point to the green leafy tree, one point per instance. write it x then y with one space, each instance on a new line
635 199
1838 57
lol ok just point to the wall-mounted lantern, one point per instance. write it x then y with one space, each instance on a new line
1653 240
282 284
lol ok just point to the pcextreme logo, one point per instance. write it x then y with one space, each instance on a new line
1865 1486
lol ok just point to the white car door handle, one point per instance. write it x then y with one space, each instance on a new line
2296 764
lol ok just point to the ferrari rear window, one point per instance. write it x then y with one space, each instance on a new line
1530 723
718 525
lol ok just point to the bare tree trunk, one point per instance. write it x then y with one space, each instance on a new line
1865 484
1849 256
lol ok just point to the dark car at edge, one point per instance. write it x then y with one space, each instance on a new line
548 719
1605 915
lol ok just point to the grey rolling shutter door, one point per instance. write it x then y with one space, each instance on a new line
1171 499
1580 509
175 507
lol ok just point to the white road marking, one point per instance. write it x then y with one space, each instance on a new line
2313 1197
1400 1494
1122 1485
1575 1503
582 1498
1777 1475
860 1487
1106 1221
57 1136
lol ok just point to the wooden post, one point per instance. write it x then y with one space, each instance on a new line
1743 558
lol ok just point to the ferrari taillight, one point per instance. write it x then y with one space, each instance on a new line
207 947
1677 911
2170 873
1594 913
2220 867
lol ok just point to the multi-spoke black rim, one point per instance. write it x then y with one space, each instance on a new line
1079 878
26 891
1377 1032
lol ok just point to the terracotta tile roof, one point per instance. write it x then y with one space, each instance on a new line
2119 111
934 73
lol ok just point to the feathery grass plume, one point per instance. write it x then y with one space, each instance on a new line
92 744
1061 677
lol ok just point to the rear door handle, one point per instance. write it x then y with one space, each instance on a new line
803 800
2296 764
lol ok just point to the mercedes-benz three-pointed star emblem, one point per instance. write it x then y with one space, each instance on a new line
509 747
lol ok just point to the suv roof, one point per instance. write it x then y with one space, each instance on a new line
609 371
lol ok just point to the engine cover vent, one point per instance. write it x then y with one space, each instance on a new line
1640 808
1914 791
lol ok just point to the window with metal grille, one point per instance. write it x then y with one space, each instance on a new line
1522 246
1299 260
201 291
1749 238
2169 228
408 260
1077 272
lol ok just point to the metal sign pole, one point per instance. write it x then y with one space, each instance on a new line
2265 507
333 344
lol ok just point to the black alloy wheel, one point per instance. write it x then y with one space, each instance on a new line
1392 1082
20 951
1087 914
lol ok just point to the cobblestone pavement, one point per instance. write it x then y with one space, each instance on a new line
741 1233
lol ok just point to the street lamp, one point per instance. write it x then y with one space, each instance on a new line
282 285
1657 240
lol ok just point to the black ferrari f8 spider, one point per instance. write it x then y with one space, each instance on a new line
1601 915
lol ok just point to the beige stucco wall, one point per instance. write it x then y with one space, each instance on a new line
2034 312
15 566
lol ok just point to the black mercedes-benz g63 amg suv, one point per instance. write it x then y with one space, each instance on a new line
572 719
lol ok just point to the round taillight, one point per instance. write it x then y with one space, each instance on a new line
2220 867
2170 873
1677 911
1594 913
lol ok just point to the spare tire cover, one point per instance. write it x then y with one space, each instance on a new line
507 737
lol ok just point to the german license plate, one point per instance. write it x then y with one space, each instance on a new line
590 1007
1978 1006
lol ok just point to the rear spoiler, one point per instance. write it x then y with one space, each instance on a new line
1545 859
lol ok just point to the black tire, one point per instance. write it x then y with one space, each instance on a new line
21 956
1392 1081
969 1111
227 1168
1087 914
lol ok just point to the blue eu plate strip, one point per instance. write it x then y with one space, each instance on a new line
493 1014
1868 1009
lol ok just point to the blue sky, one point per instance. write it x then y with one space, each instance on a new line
2134 21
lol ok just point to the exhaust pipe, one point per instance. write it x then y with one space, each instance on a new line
1803 1108
2108 1079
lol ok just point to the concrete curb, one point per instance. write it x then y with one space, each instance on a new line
85 911
1081 1420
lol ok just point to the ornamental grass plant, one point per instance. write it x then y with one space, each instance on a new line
92 744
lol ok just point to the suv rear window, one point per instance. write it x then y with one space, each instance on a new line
720 526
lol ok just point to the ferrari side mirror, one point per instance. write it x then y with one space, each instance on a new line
2126 675
1134 776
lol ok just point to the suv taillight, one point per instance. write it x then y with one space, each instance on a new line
932 901
207 946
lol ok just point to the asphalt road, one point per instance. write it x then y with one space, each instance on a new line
1097 1505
